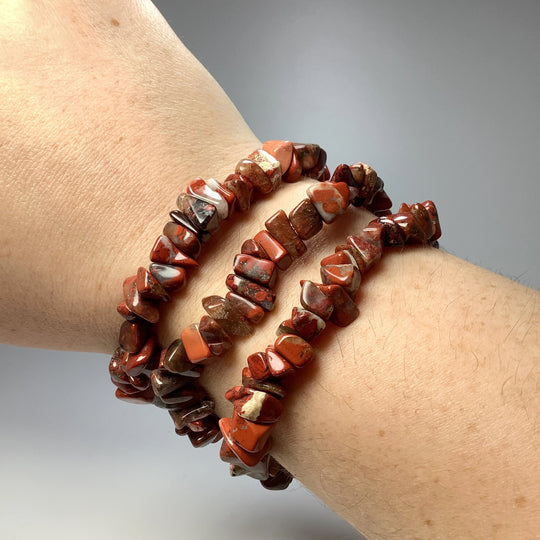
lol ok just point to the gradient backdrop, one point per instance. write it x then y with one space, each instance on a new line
441 97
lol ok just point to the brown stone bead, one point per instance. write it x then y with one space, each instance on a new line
294 172
269 164
226 315
184 239
144 309
208 435
317 171
133 335
248 435
143 361
285 327
274 250
347 275
277 364
253 248
306 324
258 366
149 287
424 222
254 405
250 311
180 426
142 397
365 253
201 213
249 459
366 181
330 199
182 219
381 204
228 195
116 371
279 226
325 176
176 360
308 154
305 220
345 310
242 189
407 224
339 257
142 382
261 271
294 349
434 215
282 151
165 252
268 385
164 382
215 337
314 300
172 278
254 173
196 347
279 481
184 396
201 190
199 411
258 294
343 173
393 233
123 309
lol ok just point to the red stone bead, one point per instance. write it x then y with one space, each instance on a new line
247 458
268 385
172 278
282 151
133 335
123 309
306 324
305 220
434 215
269 164
250 311
149 287
254 405
347 275
200 189
176 360
185 396
425 224
381 203
365 253
325 176
294 349
261 271
277 364
253 248
343 173
308 154
317 171
406 222
214 335
144 309
280 480
201 213
294 172
227 316
165 252
279 226
253 172
199 411
274 250
116 371
164 382
197 349
184 239
142 362
393 233
366 181
228 195
258 366
345 310
339 257
314 300
285 327
209 434
258 294
182 219
143 397
248 435
330 199
242 189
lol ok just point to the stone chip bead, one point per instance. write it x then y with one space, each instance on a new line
250 311
149 287
258 366
250 436
269 164
145 309
294 349
165 252
260 295
345 310
197 349
278 365
201 213
434 215
249 459
175 359
306 324
182 219
330 199
214 336
294 172
165 382
254 405
314 300
279 226
133 335
347 275
183 238
308 154
256 176
274 250
305 220
262 271
282 151
271 385
200 189
228 317
242 189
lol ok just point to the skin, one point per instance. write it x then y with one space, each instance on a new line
416 421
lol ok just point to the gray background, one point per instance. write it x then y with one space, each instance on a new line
440 97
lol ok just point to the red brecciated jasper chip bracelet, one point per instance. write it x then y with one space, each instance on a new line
144 372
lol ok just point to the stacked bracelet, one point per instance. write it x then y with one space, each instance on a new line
257 403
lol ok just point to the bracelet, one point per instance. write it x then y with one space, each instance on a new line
200 211
250 295
257 403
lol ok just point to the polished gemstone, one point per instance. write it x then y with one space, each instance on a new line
197 349
294 349
165 252
183 238
314 300
306 324
258 294
273 249
262 271
330 199
279 226
277 364
213 334
249 310
241 188
149 287
305 220
282 151
228 317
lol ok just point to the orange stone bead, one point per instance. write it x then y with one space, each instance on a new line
250 436
197 349
294 349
